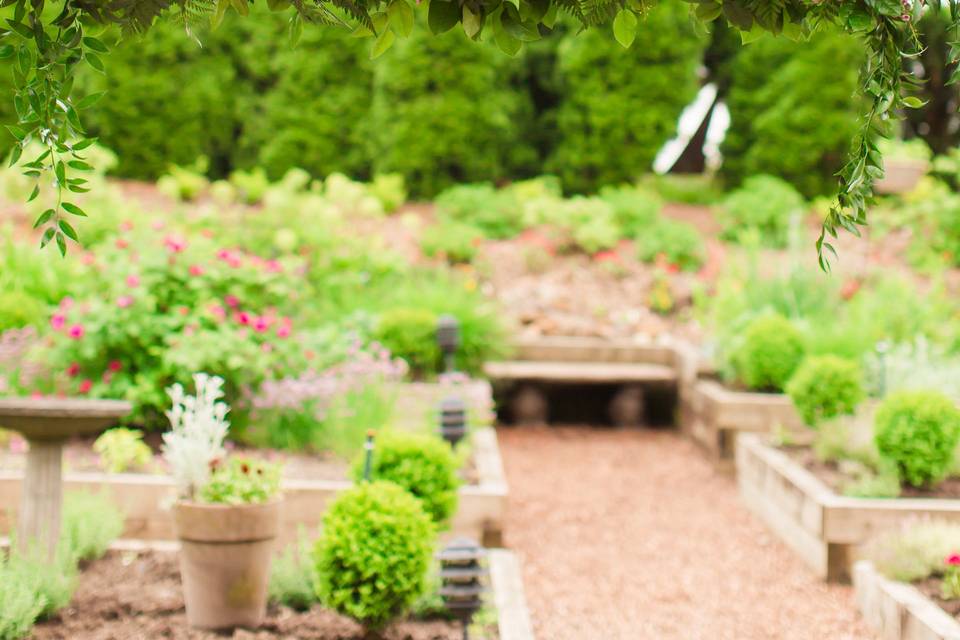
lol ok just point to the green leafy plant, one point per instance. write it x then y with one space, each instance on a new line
634 209
22 604
423 465
496 213
771 350
824 387
52 581
18 309
410 333
185 182
453 241
763 204
950 589
677 243
918 432
373 556
241 480
293 579
121 449
914 552
90 523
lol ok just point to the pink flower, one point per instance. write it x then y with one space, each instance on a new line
76 331
85 386
953 559
115 365
87 258
157 225
266 347
235 262
107 377
183 310
174 243
126 225
606 256
36 395
243 318
224 254
217 312
261 324
66 303
18 444
196 270
57 321
273 266
133 280
284 330
124 301
232 301
73 370
122 243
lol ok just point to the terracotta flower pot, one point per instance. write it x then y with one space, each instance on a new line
225 561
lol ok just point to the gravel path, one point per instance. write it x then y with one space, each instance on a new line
630 535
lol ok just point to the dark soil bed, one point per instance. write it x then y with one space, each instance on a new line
932 588
127 596
831 474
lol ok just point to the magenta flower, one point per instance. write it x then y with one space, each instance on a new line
73 370
126 225
284 330
218 312
953 559
85 386
273 266
124 301
115 365
157 225
174 243
76 331
232 301
261 324
196 270
57 321
243 318
133 280
66 303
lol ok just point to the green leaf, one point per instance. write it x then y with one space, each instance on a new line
6 51
472 22
442 16
61 243
68 229
296 29
95 45
507 42
61 171
94 61
34 193
709 11
15 154
625 27
913 102
44 218
47 237
278 5
74 209
80 165
242 7
401 17
88 101
384 41
219 12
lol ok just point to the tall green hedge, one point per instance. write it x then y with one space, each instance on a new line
796 123
445 111
618 106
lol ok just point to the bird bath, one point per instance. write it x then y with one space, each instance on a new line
47 423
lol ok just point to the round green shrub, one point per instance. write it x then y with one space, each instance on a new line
917 431
454 241
422 464
618 106
498 213
826 386
796 123
678 242
763 204
771 350
373 556
445 111
634 209
410 333
19 309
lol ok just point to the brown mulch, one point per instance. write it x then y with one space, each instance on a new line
138 597
932 588
630 534
835 477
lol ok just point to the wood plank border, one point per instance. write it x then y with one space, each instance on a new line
898 610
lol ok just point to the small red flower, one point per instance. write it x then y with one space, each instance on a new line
122 243
115 366
243 318
196 270
73 370
261 324
85 386
232 301
245 468
953 559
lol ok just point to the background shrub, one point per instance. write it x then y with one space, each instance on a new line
454 241
373 556
21 602
634 209
918 432
497 213
825 387
765 204
678 242
293 578
424 465
444 111
797 123
772 349
90 523
915 552
410 333
19 309
618 106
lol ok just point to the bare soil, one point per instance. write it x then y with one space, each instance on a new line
631 535
127 596
835 477
932 588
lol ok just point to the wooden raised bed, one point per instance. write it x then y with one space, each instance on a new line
146 499
824 528
712 415
898 611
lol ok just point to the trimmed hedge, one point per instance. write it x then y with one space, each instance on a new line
445 112
618 106
796 123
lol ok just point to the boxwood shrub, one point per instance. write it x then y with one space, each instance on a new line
374 553
771 350
826 386
918 431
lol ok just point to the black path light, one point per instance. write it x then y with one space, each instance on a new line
453 420
368 455
462 578
448 339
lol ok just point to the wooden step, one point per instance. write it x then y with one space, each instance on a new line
580 372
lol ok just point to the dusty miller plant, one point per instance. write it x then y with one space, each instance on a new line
198 426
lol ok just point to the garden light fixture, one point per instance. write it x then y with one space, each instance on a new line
448 339
462 577
368 455
453 420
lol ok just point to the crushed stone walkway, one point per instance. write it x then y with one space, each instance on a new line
631 535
